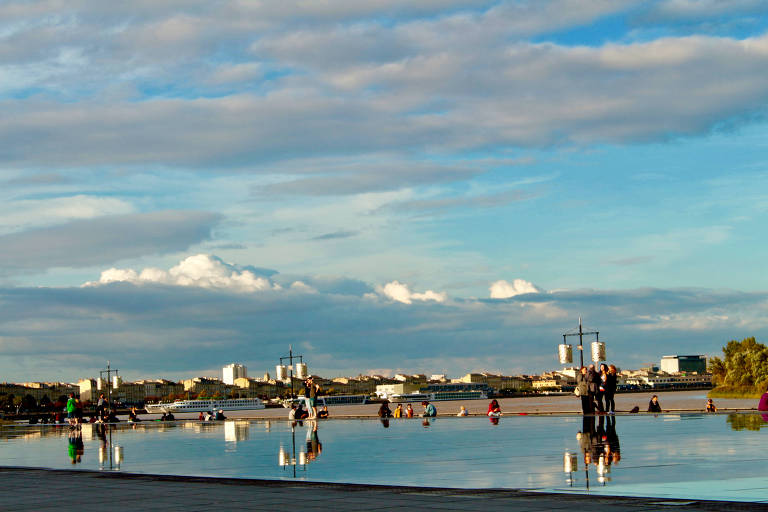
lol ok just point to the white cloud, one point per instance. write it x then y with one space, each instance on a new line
29 213
503 289
200 270
400 292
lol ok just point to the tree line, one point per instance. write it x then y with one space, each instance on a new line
743 369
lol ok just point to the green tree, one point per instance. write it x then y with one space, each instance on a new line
744 366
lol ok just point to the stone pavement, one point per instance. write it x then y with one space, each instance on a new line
61 490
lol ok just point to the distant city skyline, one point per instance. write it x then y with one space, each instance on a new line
421 187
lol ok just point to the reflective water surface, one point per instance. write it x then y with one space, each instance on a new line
694 456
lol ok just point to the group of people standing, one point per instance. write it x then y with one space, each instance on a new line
597 388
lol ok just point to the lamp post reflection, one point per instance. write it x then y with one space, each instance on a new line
600 447
285 459
570 466
110 454
313 449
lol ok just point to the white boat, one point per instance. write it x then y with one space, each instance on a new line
330 400
202 405
438 396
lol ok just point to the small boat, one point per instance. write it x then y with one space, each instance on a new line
202 405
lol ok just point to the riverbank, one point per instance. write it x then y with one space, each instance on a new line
732 392
671 401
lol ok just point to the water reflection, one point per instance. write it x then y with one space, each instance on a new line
600 448
235 431
75 446
314 448
747 421
110 454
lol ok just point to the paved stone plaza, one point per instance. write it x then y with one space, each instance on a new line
42 489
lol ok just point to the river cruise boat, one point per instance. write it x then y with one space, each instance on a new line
330 400
438 396
230 404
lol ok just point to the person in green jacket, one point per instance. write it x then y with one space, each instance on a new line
71 409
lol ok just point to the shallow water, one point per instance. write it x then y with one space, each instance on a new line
692 456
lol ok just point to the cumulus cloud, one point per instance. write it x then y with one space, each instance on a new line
503 289
200 270
400 292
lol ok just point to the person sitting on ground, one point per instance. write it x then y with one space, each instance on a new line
292 412
494 410
323 414
408 411
220 415
170 417
463 411
654 405
398 412
201 416
711 406
300 412
132 416
384 410
429 410
763 404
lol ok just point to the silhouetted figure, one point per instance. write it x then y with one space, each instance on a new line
593 378
582 389
384 410
611 380
654 405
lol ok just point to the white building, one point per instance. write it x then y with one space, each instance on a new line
678 364
233 371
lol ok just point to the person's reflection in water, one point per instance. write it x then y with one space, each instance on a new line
598 440
585 437
75 446
425 423
494 420
385 422
612 448
314 446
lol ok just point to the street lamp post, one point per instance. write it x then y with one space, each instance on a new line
110 372
290 357
581 333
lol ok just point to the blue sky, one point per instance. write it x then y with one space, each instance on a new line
442 186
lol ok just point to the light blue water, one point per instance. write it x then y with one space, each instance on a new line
684 456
